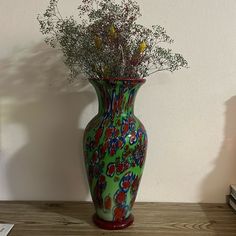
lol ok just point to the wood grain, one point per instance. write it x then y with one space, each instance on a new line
74 218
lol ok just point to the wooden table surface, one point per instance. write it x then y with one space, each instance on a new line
74 218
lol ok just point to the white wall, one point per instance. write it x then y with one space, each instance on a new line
190 115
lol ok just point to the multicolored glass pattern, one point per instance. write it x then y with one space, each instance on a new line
115 143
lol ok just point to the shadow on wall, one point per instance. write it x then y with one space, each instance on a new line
224 171
43 111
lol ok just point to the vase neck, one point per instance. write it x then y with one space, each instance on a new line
116 97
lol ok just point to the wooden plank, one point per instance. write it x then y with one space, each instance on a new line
74 218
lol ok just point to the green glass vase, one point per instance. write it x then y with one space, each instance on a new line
115 143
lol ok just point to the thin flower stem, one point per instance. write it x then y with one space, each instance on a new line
59 13
159 70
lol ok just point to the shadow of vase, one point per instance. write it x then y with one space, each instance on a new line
215 186
42 119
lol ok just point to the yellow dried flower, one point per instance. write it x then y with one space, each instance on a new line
106 72
98 42
112 32
142 47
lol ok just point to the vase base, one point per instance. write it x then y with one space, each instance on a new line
108 225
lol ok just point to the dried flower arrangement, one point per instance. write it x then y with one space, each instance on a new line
108 42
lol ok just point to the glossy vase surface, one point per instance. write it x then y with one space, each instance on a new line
115 143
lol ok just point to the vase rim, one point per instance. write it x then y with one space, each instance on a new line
121 79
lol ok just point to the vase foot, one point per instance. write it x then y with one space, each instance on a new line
108 225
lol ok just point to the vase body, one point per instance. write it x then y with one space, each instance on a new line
115 144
